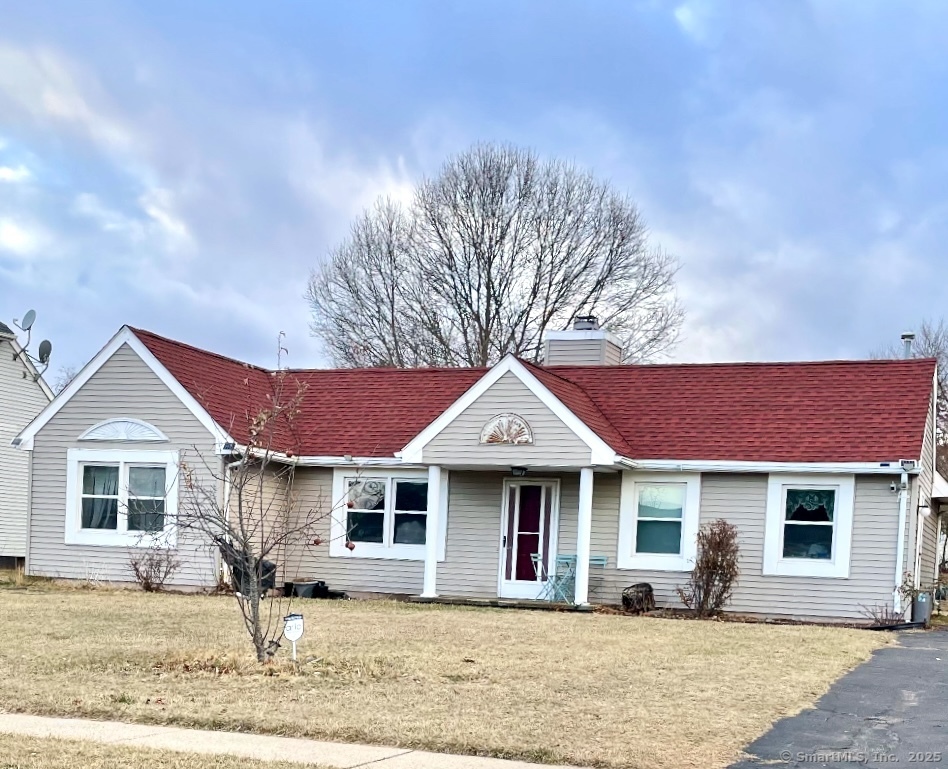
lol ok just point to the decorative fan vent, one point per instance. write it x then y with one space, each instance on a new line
123 430
507 429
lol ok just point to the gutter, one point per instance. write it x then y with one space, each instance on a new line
726 466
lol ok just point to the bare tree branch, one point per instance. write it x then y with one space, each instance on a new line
491 253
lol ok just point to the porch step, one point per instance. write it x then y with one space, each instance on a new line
501 603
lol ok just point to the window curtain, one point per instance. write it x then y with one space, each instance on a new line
811 500
100 513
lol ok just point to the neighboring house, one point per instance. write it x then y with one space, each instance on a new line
23 394
826 469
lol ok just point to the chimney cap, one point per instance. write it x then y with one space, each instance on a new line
585 323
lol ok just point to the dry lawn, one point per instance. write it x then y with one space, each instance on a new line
586 689
17 752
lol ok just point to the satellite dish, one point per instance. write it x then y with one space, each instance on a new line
28 320
45 350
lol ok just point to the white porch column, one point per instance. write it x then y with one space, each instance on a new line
583 536
432 532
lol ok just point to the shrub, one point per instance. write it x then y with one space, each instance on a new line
715 572
152 566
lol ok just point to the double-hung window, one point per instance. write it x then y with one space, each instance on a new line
658 520
383 514
809 525
117 497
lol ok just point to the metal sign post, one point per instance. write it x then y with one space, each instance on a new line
293 629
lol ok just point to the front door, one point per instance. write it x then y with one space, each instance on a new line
529 519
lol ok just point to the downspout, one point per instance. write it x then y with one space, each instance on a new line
900 546
29 513
228 467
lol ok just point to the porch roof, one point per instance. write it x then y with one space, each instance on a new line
836 411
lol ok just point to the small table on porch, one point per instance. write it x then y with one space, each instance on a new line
561 580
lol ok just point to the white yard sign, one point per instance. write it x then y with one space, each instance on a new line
293 629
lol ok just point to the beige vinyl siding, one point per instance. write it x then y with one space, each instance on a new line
472 555
928 525
742 500
473 545
123 387
555 445
20 400
313 491
581 352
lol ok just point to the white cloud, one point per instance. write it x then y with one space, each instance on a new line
10 174
44 85
18 239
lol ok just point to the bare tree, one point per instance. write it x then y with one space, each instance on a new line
64 376
931 341
491 253
258 524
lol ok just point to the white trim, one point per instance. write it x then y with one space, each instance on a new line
572 335
120 537
904 492
524 589
626 557
729 466
600 452
124 336
366 550
433 544
123 429
837 567
583 536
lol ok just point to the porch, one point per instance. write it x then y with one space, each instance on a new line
543 537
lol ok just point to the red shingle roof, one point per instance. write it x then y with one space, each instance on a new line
841 411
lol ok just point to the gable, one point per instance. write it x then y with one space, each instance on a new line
553 442
124 386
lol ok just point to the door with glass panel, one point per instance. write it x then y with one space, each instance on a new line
529 526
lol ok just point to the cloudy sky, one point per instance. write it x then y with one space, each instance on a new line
181 166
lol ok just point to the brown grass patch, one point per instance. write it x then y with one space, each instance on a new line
19 752
587 689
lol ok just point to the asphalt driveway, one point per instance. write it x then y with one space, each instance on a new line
890 711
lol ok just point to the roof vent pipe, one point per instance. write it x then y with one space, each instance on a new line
585 323
907 338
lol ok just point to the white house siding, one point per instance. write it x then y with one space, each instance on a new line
20 400
123 387
555 445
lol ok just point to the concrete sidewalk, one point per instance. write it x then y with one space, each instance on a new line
337 755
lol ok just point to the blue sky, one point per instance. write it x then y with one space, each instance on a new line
181 166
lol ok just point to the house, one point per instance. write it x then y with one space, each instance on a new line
449 481
23 394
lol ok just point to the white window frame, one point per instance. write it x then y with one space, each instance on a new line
836 567
627 558
76 459
340 514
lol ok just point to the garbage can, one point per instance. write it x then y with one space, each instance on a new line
922 608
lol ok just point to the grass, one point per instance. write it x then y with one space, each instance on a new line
585 689
18 752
